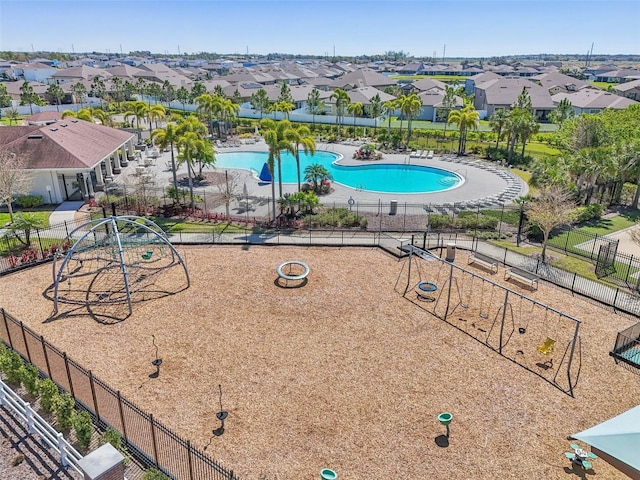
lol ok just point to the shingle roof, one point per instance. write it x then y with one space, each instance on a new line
593 98
505 91
364 77
71 143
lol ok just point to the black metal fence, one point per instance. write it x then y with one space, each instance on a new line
149 441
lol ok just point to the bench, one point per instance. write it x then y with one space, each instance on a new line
522 276
487 262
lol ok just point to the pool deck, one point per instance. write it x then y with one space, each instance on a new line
486 184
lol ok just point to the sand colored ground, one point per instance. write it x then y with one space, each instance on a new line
344 372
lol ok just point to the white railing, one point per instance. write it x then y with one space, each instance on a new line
69 456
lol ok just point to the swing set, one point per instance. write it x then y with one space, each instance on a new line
443 288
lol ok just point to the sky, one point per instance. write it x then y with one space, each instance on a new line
449 28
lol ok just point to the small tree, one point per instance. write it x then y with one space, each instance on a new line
63 405
550 209
23 224
30 377
14 178
10 364
48 394
228 189
83 427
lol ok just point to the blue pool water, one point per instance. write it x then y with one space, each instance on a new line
375 177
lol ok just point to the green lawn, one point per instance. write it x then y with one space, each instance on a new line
41 214
176 225
602 85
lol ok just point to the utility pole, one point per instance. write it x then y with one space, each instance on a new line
444 50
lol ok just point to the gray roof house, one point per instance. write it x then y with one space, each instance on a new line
556 82
502 94
629 89
593 100
364 77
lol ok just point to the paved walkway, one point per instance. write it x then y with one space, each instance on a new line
64 213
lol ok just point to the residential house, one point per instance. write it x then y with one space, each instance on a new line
556 82
628 89
618 76
34 72
423 85
471 82
160 73
70 159
502 94
364 77
593 100
84 74
433 109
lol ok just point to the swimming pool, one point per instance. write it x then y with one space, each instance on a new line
374 177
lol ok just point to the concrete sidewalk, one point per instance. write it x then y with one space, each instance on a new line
65 213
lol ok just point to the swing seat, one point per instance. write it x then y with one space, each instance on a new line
147 255
547 347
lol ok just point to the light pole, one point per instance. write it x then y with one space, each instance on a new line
49 192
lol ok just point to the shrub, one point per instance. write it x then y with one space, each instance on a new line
155 474
29 201
437 221
30 377
589 212
48 394
83 427
63 405
10 363
113 437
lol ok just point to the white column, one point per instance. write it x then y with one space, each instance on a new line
107 163
130 148
87 181
116 158
123 159
99 177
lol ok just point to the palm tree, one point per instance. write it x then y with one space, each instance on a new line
26 222
355 109
282 106
56 93
448 103
167 137
228 110
12 116
154 90
83 114
497 122
375 108
155 113
98 88
274 137
301 137
189 147
410 106
528 128
388 108
183 95
208 106
563 111
141 87
518 121
342 100
117 91
137 109
466 119
316 174
168 92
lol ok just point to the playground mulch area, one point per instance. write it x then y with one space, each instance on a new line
343 372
